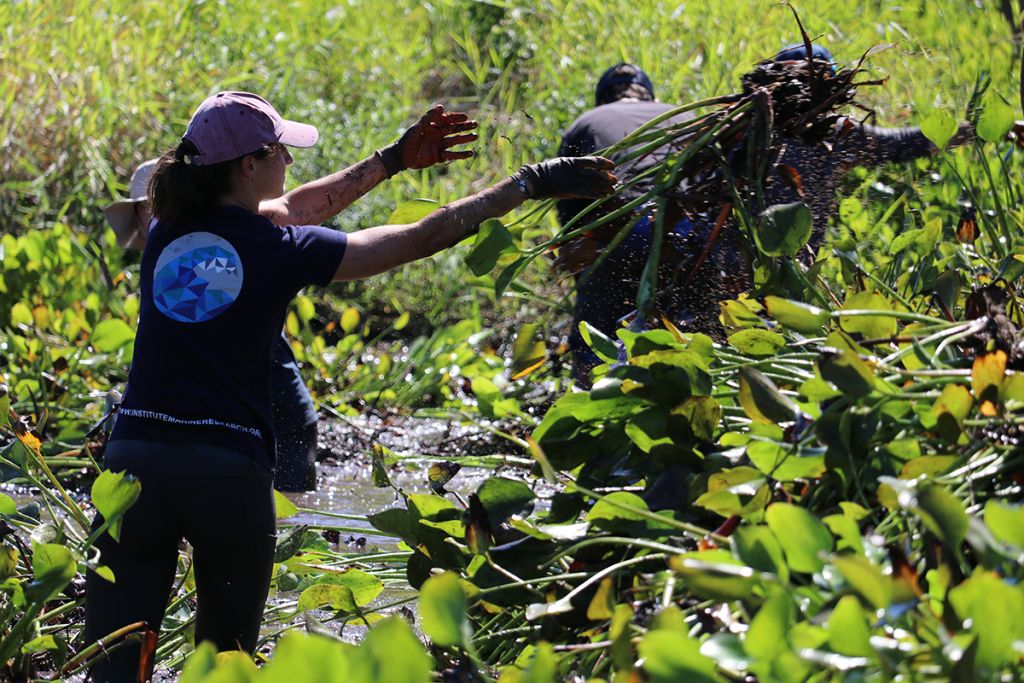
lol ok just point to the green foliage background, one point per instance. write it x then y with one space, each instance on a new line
838 464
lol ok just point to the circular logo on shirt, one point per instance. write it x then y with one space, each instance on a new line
197 277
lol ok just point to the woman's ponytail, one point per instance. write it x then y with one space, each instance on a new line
179 189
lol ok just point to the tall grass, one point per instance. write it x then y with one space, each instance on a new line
90 89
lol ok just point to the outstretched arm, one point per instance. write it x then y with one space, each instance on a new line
315 202
376 250
425 143
875 145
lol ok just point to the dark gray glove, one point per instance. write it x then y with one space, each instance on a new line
567 178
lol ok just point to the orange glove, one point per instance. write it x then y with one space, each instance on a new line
429 141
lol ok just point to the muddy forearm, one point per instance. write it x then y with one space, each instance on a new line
876 145
376 250
315 202
453 222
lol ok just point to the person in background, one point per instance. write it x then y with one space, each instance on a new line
609 295
624 100
217 275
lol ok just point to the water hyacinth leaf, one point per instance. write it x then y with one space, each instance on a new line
757 343
942 513
950 409
509 273
996 119
816 390
443 610
796 315
649 429
492 241
617 510
283 508
715 575
412 210
738 314
994 610
306 657
766 637
390 652
455 528
921 241
503 497
290 542
112 494
603 602
622 652
848 372
939 127
349 320
40 644
848 632
727 489
803 537
600 343
327 595
785 463
21 315
846 531
702 414
727 650
8 561
542 667
927 465
361 586
401 322
53 567
395 522
671 657
987 375
528 352
682 368
870 326
762 401
758 548
305 308
427 506
783 229
110 335
728 503
1006 522
866 579
1013 389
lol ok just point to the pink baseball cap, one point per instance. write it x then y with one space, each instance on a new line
230 125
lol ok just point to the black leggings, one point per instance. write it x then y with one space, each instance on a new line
219 501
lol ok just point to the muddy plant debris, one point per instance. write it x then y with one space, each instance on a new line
805 95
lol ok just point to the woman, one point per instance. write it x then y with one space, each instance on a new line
195 426
427 142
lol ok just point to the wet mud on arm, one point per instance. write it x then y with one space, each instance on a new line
315 202
874 145
378 249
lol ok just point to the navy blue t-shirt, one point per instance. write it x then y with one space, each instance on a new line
214 295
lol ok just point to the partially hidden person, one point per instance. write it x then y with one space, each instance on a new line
196 423
607 297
